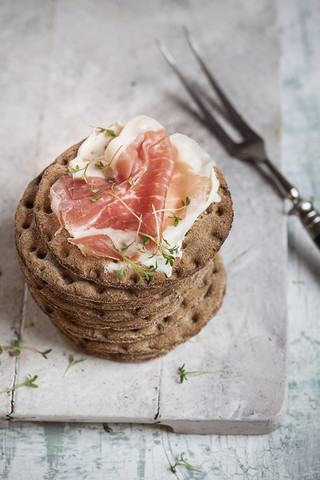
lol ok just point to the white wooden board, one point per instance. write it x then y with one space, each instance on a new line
90 63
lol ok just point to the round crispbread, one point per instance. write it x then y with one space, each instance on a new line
105 318
111 318
43 266
81 329
201 242
188 320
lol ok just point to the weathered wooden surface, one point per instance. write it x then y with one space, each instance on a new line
246 342
129 452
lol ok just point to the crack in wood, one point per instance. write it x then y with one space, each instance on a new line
15 375
157 415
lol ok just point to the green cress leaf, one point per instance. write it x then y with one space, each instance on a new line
107 131
28 383
181 461
72 363
183 374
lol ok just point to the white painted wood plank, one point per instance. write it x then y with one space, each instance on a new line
83 78
24 39
94 390
247 340
86 452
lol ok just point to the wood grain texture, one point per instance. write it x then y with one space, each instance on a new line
21 105
246 342
52 451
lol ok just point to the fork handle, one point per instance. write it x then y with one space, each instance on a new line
309 216
303 208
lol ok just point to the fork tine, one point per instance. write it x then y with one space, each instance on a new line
235 117
224 138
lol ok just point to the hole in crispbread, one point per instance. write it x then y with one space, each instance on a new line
197 262
135 278
217 235
65 253
220 211
225 190
205 280
208 292
48 210
26 224
28 204
97 273
33 248
179 272
41 254
48 309
133 292
166 319
195 318
185 243
184 303
210 208
100 289
67 279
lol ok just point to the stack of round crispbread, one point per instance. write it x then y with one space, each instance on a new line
122 319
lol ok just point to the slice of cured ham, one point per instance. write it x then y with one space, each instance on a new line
143 172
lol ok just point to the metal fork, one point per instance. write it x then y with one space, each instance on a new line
252 147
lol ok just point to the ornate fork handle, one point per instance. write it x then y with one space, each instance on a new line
302 207
309 216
